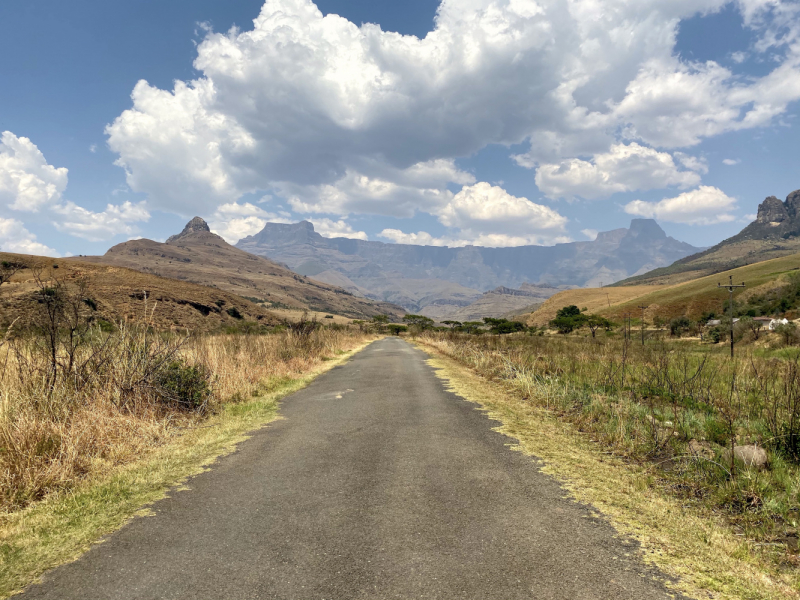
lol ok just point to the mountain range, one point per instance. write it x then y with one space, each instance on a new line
418 277
201 257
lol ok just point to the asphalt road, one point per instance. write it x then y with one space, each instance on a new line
376 484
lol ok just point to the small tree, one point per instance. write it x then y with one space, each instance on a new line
748 323
473 327
568 319
452 324
501 326
396 329
678 325
380 321
595 322
787 332
419 321
568 311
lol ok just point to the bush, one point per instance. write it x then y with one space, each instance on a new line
679 325
568 319
501 326
234 312
787 333
186 386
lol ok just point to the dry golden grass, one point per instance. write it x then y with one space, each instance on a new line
695 547
594 299
63 525
293 316
699 296
52 439
118 294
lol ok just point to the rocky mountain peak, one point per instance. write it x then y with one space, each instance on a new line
775 220
647 229
772 210
196 225
793 204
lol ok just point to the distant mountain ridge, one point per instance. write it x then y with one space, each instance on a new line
417 276
774 233
199 256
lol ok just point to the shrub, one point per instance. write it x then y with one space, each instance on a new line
787 333
501 326
186 386
678 325
106 326
234 312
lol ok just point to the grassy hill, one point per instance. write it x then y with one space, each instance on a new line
117 294
723 257
693 298
774 233
595 300
201 257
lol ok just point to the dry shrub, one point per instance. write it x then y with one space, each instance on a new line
60 425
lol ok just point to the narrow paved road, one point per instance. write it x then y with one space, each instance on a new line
376 484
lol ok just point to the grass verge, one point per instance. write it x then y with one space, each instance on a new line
62 527
695 547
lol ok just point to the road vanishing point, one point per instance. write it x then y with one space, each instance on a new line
376 483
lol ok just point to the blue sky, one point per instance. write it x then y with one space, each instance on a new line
513 122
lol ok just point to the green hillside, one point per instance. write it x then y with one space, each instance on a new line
699 297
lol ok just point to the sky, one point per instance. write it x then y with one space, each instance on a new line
486 122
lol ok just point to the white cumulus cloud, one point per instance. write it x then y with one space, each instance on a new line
625 168
100 226
234 221
706 205
15 238
330 228
487 215
27 182
341 118
483 210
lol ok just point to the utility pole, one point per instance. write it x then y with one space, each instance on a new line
643 308
626 326
730 287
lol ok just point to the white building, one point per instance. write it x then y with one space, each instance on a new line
775 322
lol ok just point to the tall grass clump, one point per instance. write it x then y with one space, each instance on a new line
688 413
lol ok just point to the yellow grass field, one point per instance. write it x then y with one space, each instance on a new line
595 300
691 298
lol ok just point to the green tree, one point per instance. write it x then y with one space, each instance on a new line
678 325
501 326
568 312
568 319
471 327
419 321
396 329
595 322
